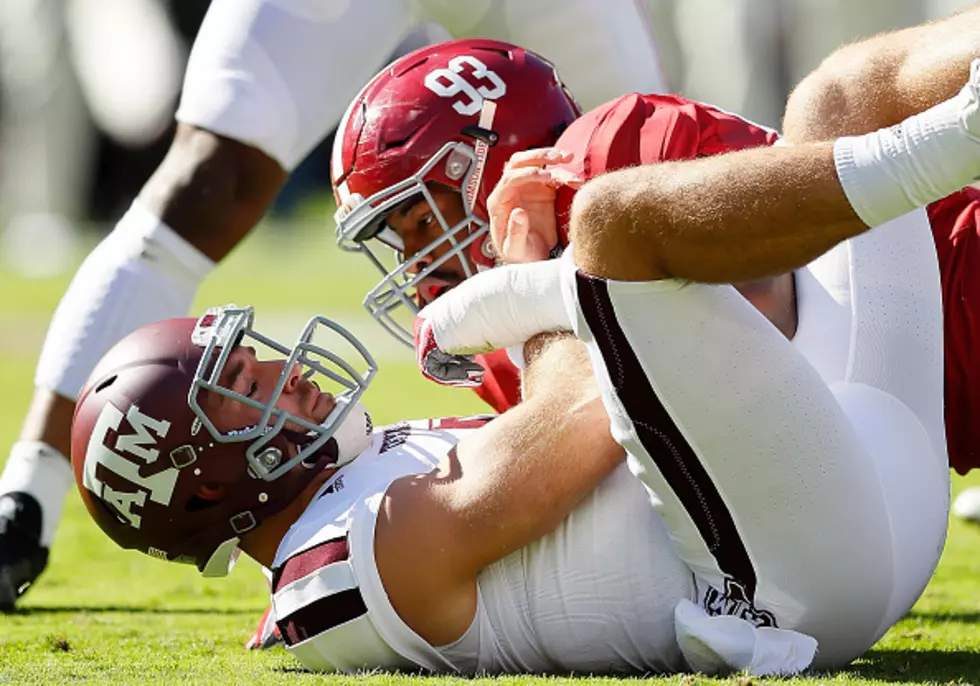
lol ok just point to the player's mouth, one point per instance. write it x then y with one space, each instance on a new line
322 406
432 286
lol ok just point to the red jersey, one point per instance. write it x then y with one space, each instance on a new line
955 224
644 129
632 130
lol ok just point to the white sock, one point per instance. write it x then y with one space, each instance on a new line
39 470
890 172
140 273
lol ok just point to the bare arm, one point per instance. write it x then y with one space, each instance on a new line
879 81
504 486
736 217
754 214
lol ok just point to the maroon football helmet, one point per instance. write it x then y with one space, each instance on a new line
143 446
452 114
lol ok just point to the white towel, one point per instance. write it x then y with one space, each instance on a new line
725 643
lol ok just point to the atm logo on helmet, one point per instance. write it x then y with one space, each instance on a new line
139 444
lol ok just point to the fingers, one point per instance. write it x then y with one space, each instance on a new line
563 177
525 176
520 244
538 157
516 237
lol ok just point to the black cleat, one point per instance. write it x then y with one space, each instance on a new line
22 558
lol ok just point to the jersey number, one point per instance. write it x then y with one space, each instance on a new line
473 87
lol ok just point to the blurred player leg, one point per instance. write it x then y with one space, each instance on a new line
46 136
815 28
601 48
267 79
732 60
767 46
758 467
967 505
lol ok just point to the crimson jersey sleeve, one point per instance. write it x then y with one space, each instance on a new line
955 224
643 129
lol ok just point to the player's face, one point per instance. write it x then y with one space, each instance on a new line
244 373
416 224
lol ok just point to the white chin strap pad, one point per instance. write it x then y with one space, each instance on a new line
499 308
353 436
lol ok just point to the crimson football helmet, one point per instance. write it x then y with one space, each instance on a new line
144 449
452 114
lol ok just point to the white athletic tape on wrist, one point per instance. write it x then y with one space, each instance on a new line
499 308
890 172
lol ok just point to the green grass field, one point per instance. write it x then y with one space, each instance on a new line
101 615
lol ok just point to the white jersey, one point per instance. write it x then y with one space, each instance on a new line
278 74
596 595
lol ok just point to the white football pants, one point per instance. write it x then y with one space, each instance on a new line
279 74
804 499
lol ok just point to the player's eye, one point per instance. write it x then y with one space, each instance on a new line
253 388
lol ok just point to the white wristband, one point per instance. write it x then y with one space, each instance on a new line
890 172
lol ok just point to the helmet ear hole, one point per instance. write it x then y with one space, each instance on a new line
197 503
207 495
105 384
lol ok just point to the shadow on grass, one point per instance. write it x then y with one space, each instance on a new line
919 665
127 609
894 666
961 617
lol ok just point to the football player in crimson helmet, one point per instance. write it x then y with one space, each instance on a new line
416 155
424 144
184 441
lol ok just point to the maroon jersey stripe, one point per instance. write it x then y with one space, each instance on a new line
661 438
308 561
322 615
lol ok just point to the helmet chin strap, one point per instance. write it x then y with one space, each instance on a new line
354 434
350 439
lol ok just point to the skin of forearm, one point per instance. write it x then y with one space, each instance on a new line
557 446
725 219
880 81
556 357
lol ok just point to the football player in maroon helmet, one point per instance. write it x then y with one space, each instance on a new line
185 441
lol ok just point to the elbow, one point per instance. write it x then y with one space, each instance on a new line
595 213
817 107
614 225
846 95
